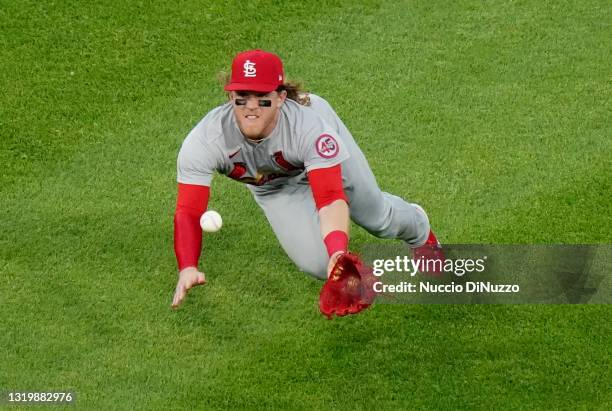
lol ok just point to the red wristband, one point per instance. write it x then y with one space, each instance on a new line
336 241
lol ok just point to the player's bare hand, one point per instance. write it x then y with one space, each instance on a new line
332 261
188 277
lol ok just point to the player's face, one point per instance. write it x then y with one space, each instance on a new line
257 113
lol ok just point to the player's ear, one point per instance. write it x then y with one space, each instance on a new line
282 95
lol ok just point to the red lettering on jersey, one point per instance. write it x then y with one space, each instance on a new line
282 163
326 146
238 171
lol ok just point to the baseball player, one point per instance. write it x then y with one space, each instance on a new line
302 166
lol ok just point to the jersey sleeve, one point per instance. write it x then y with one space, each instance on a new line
198 159
320 145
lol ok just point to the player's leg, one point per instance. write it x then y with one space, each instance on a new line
388 216
292 214
382 214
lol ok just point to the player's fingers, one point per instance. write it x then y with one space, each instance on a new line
179 294
178 299
183 287
192 282
197 280
175 300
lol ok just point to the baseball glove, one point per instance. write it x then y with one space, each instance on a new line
349 288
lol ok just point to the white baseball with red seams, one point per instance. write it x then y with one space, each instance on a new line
211 221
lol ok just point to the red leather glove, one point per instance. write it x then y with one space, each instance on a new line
349 288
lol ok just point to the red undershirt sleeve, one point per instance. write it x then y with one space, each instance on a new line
326 185
191 203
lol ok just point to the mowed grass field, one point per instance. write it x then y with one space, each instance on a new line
495 116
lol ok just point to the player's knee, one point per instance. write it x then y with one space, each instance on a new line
421 227
411 225
378 224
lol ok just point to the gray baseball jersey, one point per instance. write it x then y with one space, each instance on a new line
305 138
301 141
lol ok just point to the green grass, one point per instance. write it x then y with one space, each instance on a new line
495 116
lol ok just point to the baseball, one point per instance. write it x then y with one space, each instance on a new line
211 221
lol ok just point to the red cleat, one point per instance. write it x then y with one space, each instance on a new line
431 255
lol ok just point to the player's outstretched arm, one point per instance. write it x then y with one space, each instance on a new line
191 203
334 220
331 202
187 278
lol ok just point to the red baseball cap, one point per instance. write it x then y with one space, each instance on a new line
256 70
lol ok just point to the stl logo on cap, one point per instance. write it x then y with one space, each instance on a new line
256 70
249 69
